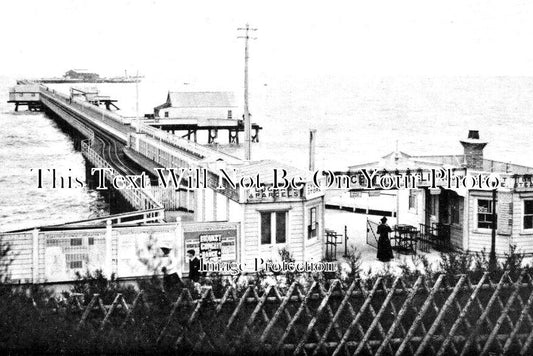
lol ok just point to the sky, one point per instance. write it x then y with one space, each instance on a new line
197 40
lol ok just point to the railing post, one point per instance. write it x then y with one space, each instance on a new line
179 242
109 248
35 256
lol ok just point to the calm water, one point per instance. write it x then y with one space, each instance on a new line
357 120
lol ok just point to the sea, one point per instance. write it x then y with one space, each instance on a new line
357 120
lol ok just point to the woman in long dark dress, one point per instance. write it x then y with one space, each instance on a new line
384 246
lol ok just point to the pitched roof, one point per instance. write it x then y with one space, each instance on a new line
201 99
400 161
265 168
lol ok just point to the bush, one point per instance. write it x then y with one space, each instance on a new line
96 283
25 327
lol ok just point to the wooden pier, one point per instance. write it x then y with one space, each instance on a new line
188 128
25 95
108 137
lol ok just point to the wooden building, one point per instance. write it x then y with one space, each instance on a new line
25 95
271 219
198 105
469 214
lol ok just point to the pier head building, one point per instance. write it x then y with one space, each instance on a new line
463 200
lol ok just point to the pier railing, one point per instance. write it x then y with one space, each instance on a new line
106 119
138 197
129 218
83 129
198 151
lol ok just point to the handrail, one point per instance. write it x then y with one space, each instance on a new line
183 144
111 172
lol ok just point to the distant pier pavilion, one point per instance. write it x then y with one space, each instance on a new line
189 112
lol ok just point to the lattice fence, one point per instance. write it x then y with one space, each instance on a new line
385 316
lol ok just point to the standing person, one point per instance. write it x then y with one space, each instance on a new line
194 266
384 247
171 273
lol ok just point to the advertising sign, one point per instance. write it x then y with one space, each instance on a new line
66 253
140 252
214 242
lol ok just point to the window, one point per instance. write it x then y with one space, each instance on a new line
230 114
166 113
273 227
281 227
266 228
312 228
76 242
412 200
76 264
434 205
454 211
528 214
484 214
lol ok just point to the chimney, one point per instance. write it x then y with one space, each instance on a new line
312 134
473 150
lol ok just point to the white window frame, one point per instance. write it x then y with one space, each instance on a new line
310 225
273 227
476 214
413 193
434 205
529 230
457 204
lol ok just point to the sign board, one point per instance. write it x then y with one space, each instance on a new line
312 191
269 194
355 194
139 250
69 252
212 241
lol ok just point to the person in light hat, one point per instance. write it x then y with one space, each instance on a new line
169 267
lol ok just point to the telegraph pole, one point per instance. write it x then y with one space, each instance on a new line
247 123
137 104
493 262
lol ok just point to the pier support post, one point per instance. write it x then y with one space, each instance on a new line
255 137
233 136
212 135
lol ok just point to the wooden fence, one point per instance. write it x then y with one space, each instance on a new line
384 316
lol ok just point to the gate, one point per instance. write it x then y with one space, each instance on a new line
371 233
